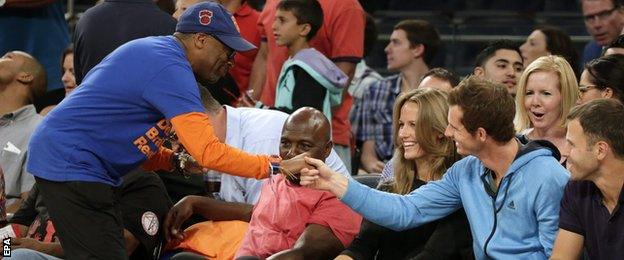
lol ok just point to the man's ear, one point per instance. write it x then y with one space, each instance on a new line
199 40
481 134
25 78
478 71
418 50
328 149
601 148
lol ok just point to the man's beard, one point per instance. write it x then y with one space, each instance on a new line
207 81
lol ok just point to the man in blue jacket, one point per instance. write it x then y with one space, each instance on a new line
510 191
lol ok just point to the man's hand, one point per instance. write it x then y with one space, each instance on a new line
24 242
294 165
373 166
370 161
180 212
192 166
323 178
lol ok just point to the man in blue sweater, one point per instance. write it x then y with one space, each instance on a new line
510 191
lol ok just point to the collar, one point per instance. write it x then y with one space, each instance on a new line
233 127
597 194
20 113
244 10
396 87
519 153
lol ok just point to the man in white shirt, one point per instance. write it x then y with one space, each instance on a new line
255 131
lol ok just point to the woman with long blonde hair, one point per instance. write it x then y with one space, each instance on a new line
422 154
421 149
547 91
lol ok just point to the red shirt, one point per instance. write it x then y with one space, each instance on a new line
341 38
285 210
247 19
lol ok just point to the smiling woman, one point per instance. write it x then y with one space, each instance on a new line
422 154
546 93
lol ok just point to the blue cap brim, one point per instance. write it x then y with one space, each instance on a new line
237 43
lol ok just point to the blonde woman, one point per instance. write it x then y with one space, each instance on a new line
422 154
547 91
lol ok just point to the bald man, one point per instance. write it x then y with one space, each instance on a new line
22 79
288 220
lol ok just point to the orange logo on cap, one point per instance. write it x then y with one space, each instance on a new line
205 17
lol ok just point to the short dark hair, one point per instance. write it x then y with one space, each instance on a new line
421 32
370 34
67 51
602 120
443 74
608 71
487 105
490 49
306 11
558 42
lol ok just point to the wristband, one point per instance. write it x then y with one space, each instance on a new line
274 164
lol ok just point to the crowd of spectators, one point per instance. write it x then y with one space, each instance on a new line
272 137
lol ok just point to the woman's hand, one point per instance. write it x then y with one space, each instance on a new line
323 178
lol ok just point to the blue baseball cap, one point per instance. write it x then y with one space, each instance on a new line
212 18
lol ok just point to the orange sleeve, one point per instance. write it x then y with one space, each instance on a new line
159 161
196 134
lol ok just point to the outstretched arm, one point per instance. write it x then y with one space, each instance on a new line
398 212
197 135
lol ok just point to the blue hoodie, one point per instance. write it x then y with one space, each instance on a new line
526 204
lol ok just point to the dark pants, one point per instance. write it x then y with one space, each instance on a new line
86 218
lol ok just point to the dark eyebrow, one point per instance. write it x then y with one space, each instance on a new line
502 60
570 142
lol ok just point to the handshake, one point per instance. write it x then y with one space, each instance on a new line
299 170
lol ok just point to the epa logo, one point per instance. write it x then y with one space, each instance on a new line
6 247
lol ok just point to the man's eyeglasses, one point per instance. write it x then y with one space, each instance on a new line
229 51
601 15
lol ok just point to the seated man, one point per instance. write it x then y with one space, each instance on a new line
143 204
288 220
591 218
501 62
257 131
22 80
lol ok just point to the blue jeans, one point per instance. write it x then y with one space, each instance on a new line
29 254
